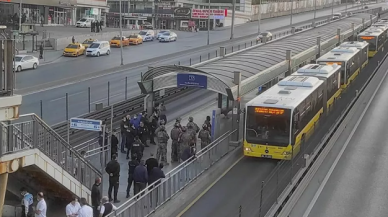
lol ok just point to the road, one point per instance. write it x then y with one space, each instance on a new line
241 186
69 67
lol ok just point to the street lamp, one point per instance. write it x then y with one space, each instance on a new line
292 6
208 23
121 37
315 9
332 9
233 14
259 19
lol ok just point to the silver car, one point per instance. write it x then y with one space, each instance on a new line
168 36
266 35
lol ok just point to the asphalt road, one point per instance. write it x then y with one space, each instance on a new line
53 107
241 186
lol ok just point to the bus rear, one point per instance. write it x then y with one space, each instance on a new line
267 132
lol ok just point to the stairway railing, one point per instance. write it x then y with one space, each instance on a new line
32 132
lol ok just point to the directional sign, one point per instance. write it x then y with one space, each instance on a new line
85 124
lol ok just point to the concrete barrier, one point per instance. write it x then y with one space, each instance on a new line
61 43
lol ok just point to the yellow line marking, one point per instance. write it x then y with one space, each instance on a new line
208 188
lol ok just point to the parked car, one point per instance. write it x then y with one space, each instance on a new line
98 48
161 33
115 41
147 35
85 22
168 36
88 42
23 62
74 50
135 39
262 35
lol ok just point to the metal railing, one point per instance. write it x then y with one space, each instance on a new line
160 192
32 132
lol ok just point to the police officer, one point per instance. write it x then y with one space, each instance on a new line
113 170
161 153
175 134
27 202
204 136
137 148
161 123
185 140
142 132
193 128
132 164
178 121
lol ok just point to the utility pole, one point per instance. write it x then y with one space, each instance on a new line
315 9
332 9
208 24
292 7
233 14
259 19
20 16
121 36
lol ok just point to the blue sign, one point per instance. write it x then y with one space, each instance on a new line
191 80
85 124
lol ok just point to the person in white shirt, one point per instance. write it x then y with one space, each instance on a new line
86 210
73 207
106 207
41 207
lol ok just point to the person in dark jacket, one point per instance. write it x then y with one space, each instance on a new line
101 24
140 177
142 132
188 152
114 144
137 148
131 133
156 174
92 26
96 196
123 130
113 170
153 127
41 51
106 207
132 164
151 163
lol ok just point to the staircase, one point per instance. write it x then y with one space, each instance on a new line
44 157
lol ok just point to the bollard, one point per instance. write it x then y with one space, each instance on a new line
200 58
222 51
216 53
251 43
238 47
208 56
179 63
245 45
41 109
190 61
232 49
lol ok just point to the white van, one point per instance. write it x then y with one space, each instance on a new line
147 35
98 48
85 22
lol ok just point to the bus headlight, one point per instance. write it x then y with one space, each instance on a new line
248 149
286 153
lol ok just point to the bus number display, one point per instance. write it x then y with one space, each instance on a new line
367 37
271 111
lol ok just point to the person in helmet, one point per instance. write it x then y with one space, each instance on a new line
204 136
185 140
175 134
193 129
163 138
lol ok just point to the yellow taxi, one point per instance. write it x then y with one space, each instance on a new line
88 42
115 41
135 39
74 50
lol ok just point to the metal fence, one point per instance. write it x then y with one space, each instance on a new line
159 193
31 132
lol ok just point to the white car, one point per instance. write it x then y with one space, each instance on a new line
23 62
98 48
85 22
266 35
161 33
147 35
337 16
168 36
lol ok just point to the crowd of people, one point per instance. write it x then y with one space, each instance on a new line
142 131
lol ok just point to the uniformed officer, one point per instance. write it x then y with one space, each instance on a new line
132 164
192 128
137 148
161 123
163 138
204 136
175 133
143 133
185 140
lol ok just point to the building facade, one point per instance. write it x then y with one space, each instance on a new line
48 12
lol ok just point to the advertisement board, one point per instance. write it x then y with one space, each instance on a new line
203 13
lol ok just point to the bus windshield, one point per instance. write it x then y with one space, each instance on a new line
370 40
268 126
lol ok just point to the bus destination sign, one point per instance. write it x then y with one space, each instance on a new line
271 111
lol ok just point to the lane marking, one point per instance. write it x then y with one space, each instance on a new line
326 179
64 97
208 188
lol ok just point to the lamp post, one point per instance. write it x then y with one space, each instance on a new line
292 6
259 19
332 9
208 24
20 15
233 14
121 37
315 9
